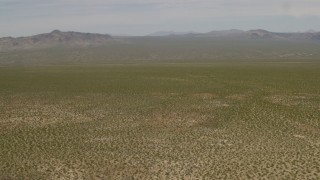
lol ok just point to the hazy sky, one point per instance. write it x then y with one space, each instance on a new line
140 17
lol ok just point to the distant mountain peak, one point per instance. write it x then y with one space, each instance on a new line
259 30
56 31
224 33
262 34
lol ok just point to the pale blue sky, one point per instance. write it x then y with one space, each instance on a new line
140 17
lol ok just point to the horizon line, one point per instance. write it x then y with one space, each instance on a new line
167 31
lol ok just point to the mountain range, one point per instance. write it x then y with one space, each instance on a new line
78 39
54 38
251 34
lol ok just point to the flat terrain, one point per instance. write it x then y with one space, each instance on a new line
161 121
168 50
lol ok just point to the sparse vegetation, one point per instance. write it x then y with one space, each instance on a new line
130 50
161 121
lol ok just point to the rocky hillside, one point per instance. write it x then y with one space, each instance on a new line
54 38
289 36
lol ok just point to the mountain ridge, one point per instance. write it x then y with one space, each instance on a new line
79 39
54 38
250 34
